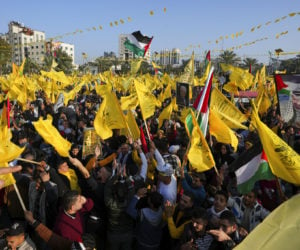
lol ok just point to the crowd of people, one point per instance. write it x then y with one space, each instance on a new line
125 195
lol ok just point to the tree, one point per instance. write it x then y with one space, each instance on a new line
64 62
31 67
104 63
229 57
5 53
250 61
291 65
48 60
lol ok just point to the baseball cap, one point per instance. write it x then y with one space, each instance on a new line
173 149
165 170
15 229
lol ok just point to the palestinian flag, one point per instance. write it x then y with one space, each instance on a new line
257 168
284 99
201 105
137 43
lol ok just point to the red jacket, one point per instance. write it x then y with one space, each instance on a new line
72 228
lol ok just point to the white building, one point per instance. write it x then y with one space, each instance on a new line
30 43
167 57
66 47
126 54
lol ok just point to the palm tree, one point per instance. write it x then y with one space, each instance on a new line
250 61
64 62
229 57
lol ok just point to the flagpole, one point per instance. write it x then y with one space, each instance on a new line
281 194
148 134
204 92
19 197
199 110
29 161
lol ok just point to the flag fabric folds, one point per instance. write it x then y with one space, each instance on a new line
147 100
283 160
138 43
221 131
226 109
242 78
278 231
51 135
254 170
135 66
166 113
199 154
132 128
129 102
109 115
188 73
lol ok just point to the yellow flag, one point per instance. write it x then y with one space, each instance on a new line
283 160
51 135
166 94
229 121
262 77
15 69
8 179
166 113
276 230
129 102
220 103
221 131
3 120
109 116
188 73
8 150
199 154
262 101
203 79
255 81
241 77
135 66
155 66
184 113
132 129
231 88
99 123
147 100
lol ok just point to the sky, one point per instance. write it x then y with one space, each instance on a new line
190 25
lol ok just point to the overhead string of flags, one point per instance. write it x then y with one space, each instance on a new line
233 35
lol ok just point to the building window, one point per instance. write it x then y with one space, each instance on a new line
36 47
32 47
42 46
71 49
37 53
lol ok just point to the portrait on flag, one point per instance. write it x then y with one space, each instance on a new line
288 91
182 94
90 141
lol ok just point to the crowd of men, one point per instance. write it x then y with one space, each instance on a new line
126 196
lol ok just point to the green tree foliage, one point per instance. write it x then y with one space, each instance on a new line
64 62
229 57
5 53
